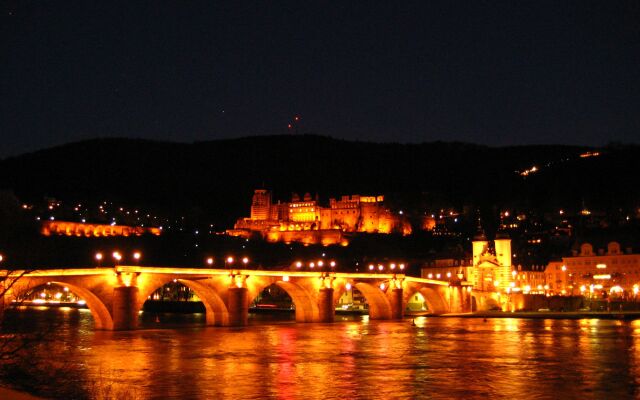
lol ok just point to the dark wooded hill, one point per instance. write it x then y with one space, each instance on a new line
217 178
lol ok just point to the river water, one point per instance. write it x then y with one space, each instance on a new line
354 357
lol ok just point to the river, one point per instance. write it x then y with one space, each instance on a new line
439 358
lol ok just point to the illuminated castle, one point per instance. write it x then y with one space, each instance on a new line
304 220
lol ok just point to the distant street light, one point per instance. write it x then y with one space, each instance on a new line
98 258
137 255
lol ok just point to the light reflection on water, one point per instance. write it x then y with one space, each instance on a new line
355 358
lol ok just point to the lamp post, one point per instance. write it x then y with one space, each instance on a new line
228 261
98 258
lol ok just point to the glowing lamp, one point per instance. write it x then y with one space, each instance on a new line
210 260
347 286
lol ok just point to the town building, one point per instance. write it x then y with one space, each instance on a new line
596 270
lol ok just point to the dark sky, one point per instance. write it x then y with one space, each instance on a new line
490 72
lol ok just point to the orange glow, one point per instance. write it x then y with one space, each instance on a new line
127 278
66 228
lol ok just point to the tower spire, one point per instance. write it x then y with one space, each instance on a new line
480 235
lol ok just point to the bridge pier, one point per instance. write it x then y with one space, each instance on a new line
238 306
459 301
125 312
397 309
326 309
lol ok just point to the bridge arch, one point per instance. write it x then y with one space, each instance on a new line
379 304
486 301
216 312
435 302
306 304
102 318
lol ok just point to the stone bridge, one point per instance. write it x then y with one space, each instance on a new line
115 296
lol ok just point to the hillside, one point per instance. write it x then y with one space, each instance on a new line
217 178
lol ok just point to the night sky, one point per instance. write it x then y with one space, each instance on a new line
496 73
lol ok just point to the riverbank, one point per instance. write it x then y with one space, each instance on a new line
616 315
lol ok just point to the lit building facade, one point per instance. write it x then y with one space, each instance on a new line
607 271
305 220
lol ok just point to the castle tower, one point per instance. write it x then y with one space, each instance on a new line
261 205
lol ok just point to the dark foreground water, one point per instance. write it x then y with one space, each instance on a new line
351 358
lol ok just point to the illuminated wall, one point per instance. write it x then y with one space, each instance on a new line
65 228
